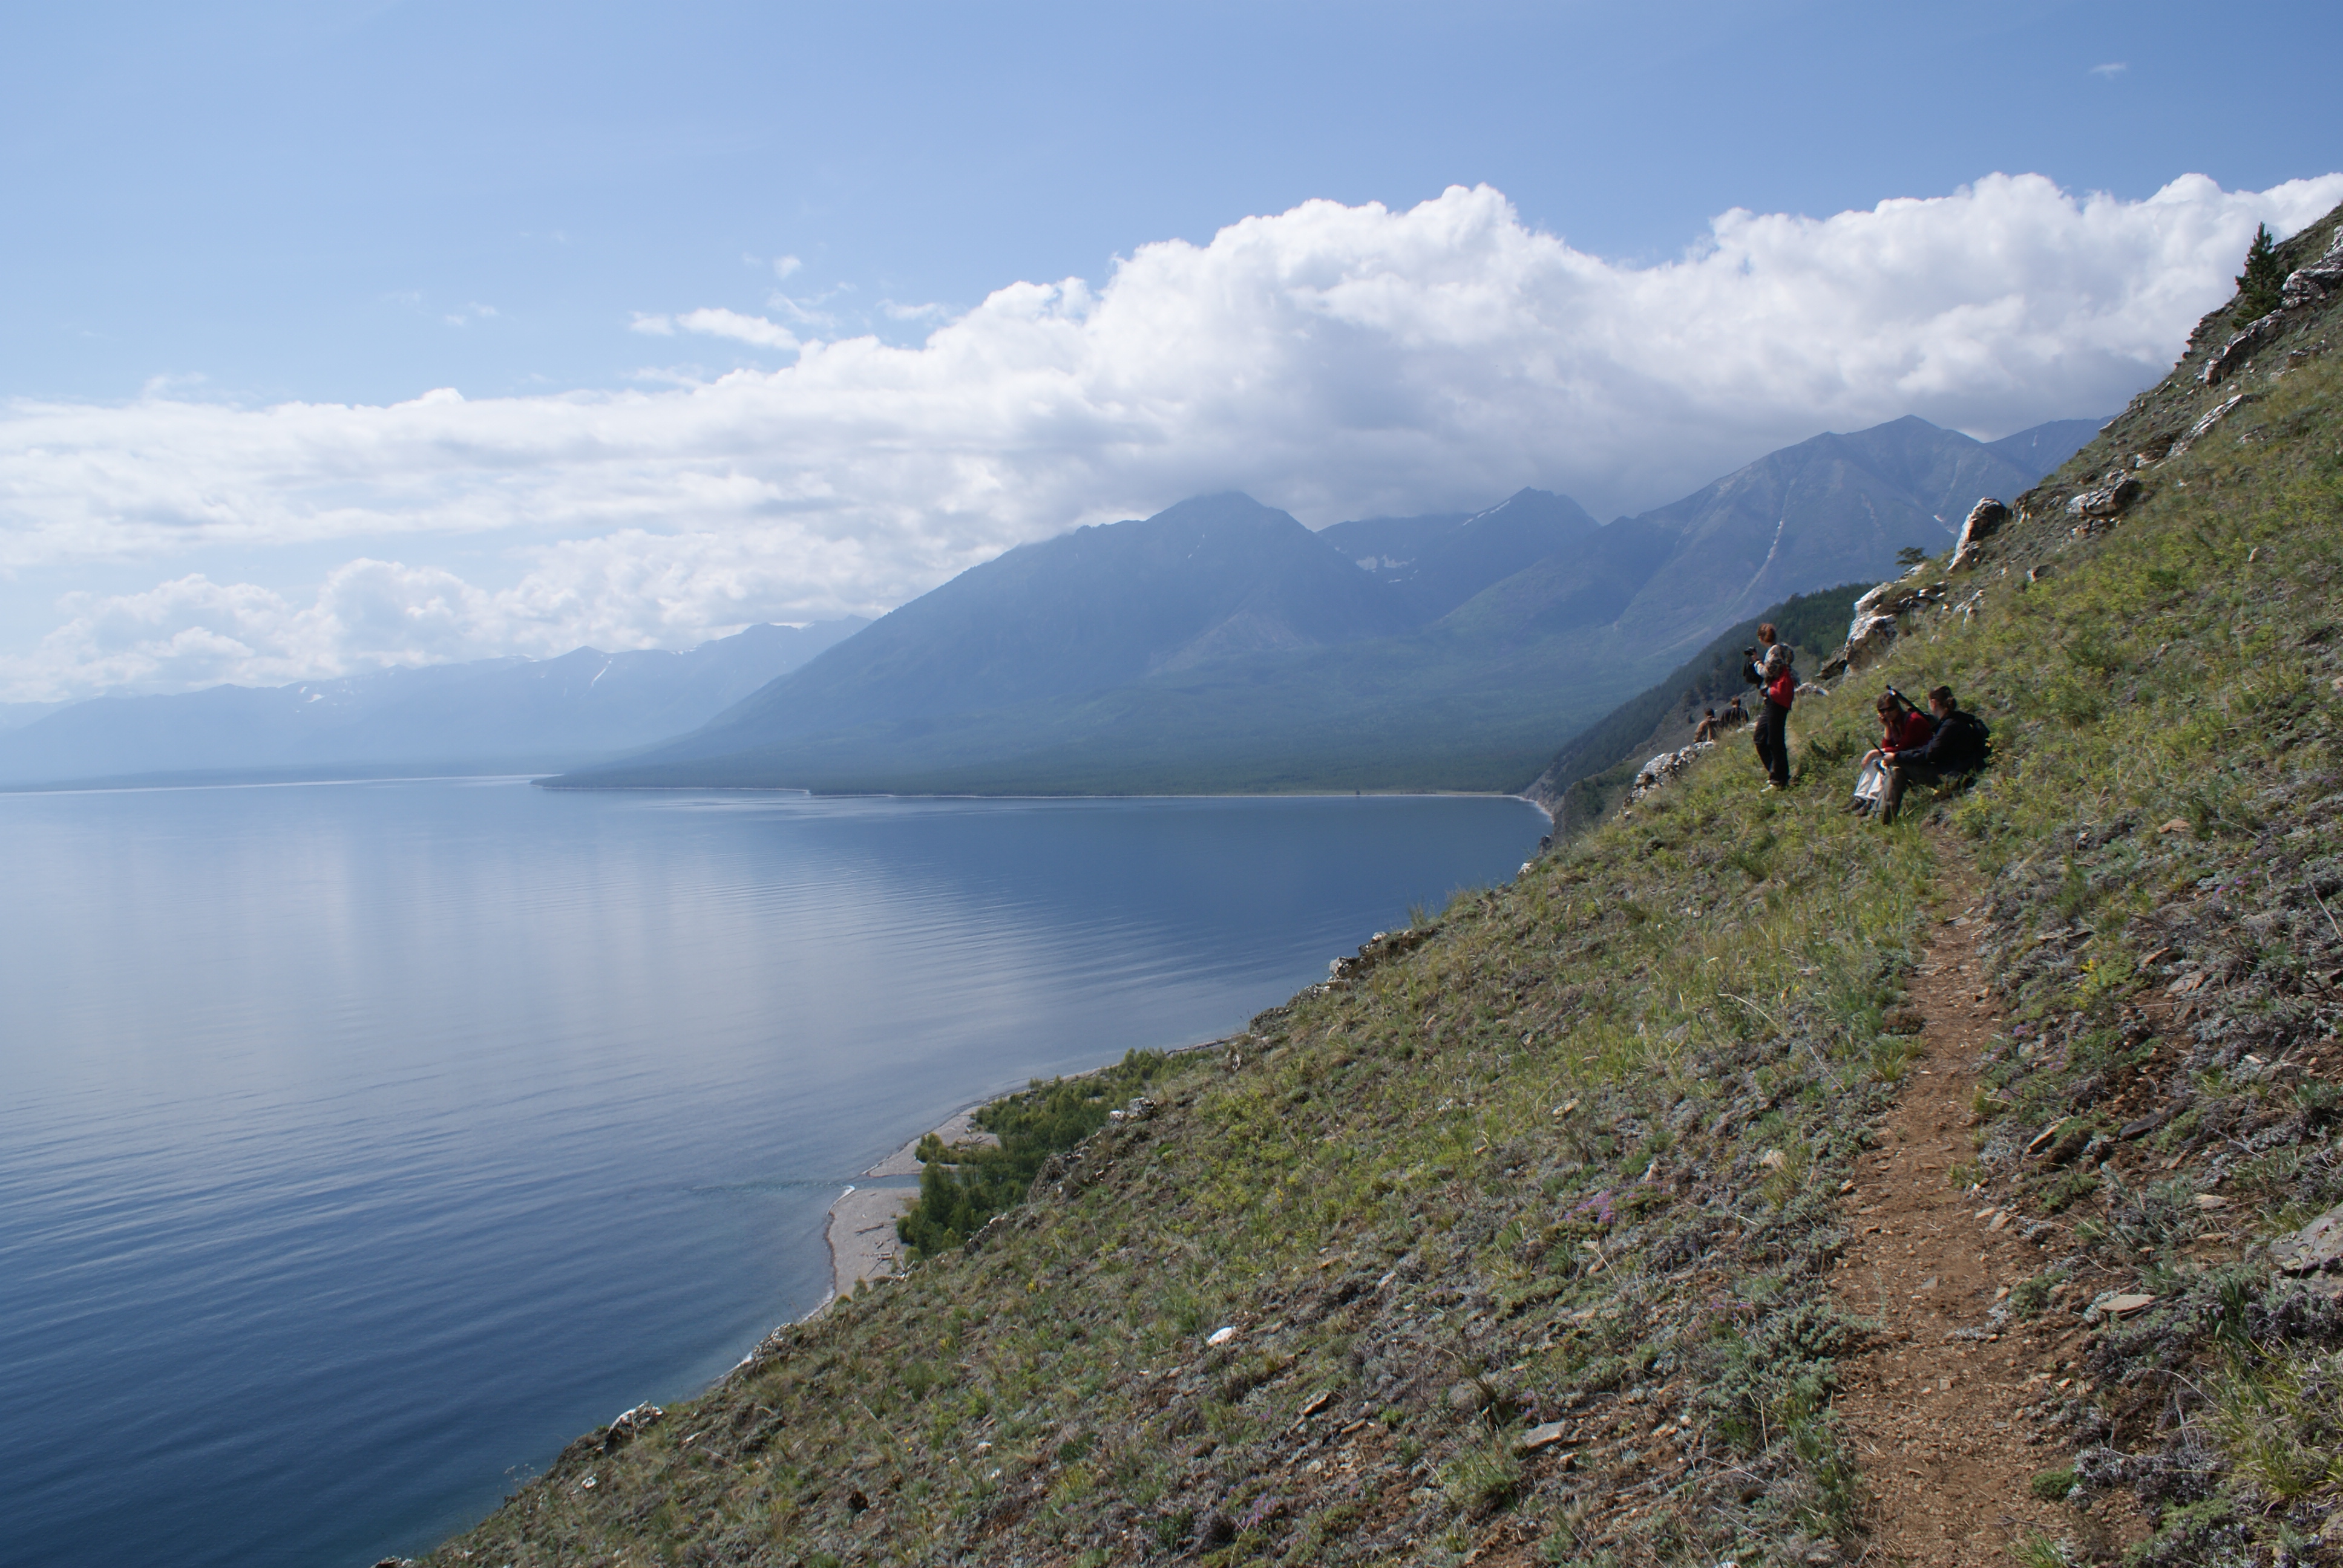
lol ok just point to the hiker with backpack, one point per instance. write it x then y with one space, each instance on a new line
1956 747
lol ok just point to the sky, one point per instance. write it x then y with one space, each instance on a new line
341 334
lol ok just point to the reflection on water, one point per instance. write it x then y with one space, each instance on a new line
361 1143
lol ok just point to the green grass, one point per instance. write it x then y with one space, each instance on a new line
1525 1160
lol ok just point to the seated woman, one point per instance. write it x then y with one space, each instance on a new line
1901 727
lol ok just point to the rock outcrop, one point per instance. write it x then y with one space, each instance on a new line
1985 520
1663 768
2316 282
2204 425
2107 501
2241 346
1873 629
2304 287
2095 510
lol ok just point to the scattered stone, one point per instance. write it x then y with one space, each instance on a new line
1773 1159
2144 1125
2117 1304
1381 946
2178 825
1317 1404
1220 1336
2211 1200
629 1425
1538 1439
2314 1247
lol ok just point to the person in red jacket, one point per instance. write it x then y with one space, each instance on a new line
1902 727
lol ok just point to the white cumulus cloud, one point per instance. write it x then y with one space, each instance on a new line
1339 361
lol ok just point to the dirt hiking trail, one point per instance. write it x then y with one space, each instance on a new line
1936 1419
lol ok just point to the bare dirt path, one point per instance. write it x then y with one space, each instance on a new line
1935 1418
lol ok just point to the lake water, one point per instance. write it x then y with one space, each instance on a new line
362 1143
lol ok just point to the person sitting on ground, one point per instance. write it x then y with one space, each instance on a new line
1771 738
1734 717
1957 746
1706 729
1901 727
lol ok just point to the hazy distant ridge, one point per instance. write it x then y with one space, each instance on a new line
515 715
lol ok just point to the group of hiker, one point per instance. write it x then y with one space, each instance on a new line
1925 747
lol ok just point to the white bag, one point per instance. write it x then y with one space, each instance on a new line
1870 786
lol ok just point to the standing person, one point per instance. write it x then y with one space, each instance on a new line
1957 746
1755 669
1773 738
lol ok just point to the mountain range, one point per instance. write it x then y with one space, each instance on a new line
496 715
1220 645
1217 646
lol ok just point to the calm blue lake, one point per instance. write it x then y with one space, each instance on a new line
362 1143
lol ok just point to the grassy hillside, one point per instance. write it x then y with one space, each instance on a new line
1525 1232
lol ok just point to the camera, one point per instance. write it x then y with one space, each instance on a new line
1749 653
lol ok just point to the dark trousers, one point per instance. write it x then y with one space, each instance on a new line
1772 746
1902 777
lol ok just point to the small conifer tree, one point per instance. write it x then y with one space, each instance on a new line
2258 284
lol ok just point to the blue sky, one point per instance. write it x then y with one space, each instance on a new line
292 200
216 215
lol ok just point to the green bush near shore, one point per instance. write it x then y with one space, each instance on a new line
962 1188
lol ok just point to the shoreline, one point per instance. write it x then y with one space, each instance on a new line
860 1227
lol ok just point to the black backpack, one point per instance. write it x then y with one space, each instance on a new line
1965 744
